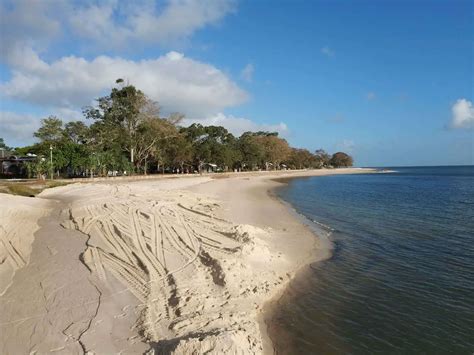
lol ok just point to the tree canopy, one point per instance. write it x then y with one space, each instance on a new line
341 159
124 132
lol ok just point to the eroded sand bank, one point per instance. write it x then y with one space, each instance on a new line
167 266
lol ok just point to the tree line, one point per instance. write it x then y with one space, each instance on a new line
127 135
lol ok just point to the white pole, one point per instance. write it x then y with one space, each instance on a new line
51 159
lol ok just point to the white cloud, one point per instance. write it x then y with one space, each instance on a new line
247 73
463 114
178 83
370 96
178 19
16 127
237 125
25 23
327 51
108 23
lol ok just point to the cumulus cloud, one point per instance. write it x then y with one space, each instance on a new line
327 51
178 83
61 86
462 114
247 73
237 125
27 21
119 22
109 23
18 127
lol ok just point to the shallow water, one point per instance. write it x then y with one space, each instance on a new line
401 278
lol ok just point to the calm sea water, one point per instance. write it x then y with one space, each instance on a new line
401 278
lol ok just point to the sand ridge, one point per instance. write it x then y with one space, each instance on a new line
18 222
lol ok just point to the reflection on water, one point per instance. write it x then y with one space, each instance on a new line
401 279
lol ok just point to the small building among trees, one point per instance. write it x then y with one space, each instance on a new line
15 167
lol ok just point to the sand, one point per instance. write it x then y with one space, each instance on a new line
181 265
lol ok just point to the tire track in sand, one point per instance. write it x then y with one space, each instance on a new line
144 243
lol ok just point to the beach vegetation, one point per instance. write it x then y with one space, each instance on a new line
124 133
323 158
341 160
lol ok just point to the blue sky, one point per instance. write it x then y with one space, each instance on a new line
390 82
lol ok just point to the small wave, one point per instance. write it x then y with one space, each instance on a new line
325 226
387 171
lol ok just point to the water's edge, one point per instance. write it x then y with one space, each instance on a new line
325 252
399 272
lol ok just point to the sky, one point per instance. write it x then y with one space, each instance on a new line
389 82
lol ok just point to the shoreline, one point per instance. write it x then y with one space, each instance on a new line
235 212
324 252
320 248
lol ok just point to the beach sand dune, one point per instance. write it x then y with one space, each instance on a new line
18 221
160 266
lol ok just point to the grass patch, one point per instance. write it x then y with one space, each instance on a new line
30 189
23 190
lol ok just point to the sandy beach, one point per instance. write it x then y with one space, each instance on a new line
159 265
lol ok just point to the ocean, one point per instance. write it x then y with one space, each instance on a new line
401 276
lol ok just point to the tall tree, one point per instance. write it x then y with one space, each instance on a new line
323 158
252 152
301 159
212 144
178 153
121 114
76 131
154 135
341 159
276 150
51 130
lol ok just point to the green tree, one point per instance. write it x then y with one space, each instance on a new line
38 168
51 130
155 135
212 144
120 119
276 150
322 158
301 159
252 152
341 159
178 152
76 131
121 112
